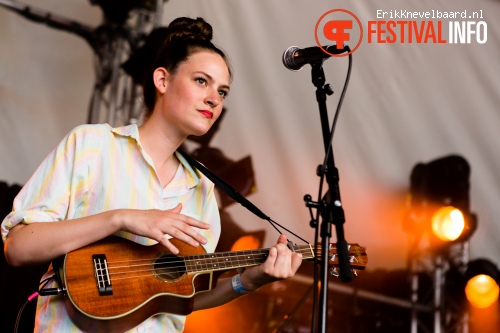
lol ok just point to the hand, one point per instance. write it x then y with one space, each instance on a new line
281 264
160 225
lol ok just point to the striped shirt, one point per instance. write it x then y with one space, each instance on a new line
96 168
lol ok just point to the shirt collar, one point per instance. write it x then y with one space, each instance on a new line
132 130
193 176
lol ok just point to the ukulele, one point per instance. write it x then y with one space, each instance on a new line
115 284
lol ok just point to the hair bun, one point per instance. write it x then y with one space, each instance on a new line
184 28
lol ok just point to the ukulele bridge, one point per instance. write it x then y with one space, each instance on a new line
101 274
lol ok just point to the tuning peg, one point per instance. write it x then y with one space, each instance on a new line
354 272
334 272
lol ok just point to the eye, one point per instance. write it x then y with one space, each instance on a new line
223 93
201 80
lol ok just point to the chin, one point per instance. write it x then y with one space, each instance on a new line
200 131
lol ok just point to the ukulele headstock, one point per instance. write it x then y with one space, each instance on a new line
357 256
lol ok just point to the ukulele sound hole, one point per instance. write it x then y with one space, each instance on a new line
168 268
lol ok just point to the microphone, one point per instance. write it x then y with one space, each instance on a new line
295 58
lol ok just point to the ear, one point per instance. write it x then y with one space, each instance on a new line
160 79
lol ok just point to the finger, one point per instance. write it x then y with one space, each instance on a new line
166 242
183 227
193 222
193 233
177 209
188 235
282 239
271 258
198 224
278 261
283 258
296 261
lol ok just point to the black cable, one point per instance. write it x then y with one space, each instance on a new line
332 131
30 298
233 193
18 319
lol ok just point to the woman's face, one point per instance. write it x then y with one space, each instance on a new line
194 96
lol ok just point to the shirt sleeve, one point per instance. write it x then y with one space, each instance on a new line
53 188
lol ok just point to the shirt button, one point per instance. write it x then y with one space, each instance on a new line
140 329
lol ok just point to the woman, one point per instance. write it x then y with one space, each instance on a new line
129 181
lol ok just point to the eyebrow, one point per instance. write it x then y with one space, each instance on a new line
224 86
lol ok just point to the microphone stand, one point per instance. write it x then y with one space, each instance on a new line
330 207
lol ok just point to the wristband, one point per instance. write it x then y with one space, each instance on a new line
237 286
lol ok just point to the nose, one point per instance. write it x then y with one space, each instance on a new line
213 98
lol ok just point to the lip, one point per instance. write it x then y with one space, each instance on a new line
206 113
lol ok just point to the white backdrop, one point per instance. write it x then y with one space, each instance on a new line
406 103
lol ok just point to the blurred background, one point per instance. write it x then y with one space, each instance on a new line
418 129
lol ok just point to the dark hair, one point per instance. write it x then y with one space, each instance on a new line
182 38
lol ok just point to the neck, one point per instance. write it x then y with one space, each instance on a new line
160 145
158 140
232 260
155 136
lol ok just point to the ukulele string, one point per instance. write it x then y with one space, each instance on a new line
204 263
207 257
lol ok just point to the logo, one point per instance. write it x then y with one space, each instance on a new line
338 28
341 27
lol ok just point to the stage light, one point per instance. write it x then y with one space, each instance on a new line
439 201
481 283
247 242
448 223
